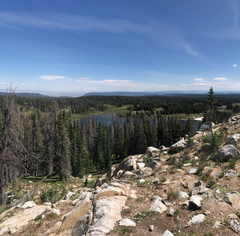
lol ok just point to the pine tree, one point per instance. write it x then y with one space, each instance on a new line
62 147
211 101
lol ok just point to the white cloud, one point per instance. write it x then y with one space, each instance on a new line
22 83
234 65
220 78
32 84
52 77
3 83
161 32
199 79
196 84
82 79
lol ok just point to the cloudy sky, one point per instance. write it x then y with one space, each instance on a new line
138 45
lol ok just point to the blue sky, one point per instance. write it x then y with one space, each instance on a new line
137 45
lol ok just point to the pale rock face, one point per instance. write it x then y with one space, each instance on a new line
78 211
157 205
127 222
112 189
15 223
233 198
196 219
29 204
107 210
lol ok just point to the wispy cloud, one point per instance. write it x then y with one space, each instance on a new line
196 84
160 32
199 79
234 65
3 83
220 78
234 6
52 77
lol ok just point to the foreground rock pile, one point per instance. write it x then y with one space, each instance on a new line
156 193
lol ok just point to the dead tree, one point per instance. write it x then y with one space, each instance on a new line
12 152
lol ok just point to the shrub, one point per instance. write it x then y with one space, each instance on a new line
126 211
143 214
49 195
147 160
207 139
51 216
39 217
172 195
125 230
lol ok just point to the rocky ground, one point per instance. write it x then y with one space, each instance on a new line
188 192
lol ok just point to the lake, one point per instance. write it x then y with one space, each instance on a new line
107 120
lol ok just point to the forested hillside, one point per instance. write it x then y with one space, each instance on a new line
41 136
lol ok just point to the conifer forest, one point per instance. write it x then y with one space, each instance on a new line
45 136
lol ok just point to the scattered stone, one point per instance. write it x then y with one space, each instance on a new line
141 181
140 165
157 205
216 174
194 202
218 191
230 173
167 233
196 158
233 198
154 165
196 219
171 211
187 164
54 211
127 223
217 225
183 195
235 224
69 195
152 149
130 165
192 171
156 181
233 216
128 175
150 228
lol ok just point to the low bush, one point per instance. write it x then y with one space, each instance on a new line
143 214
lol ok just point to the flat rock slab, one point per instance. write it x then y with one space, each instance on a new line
167 233
127 222
15 223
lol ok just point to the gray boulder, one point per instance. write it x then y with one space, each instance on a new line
167 233
154 165
128 175
227 152
196 219
206 126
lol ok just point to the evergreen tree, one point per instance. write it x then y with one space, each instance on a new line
211 101
62 147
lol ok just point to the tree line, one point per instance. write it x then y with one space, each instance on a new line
46 139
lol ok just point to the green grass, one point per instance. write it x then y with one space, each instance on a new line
143 215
